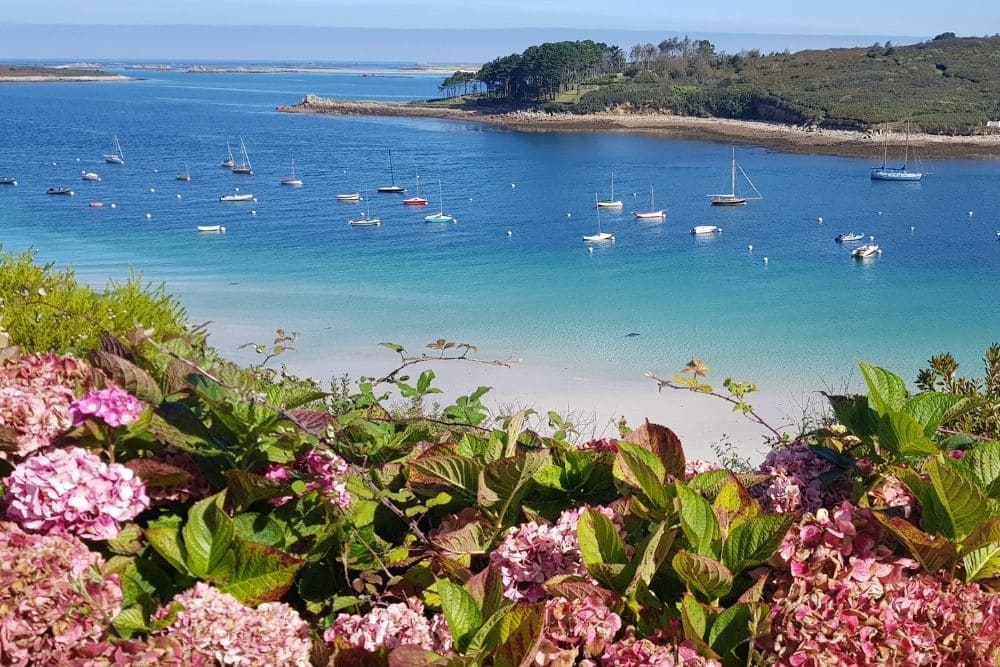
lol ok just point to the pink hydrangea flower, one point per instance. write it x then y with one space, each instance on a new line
795 484
893 493
55 598
213 627
695 467
397 624
573 630
601 445
531 554
35 415
73 491
114 406
632 652
323 471
45 370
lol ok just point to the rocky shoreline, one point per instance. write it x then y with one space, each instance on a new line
786 138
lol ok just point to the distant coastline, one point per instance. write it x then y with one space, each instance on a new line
19 74
783 137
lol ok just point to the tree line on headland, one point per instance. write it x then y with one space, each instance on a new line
947 84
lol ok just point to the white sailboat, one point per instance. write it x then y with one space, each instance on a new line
392 189
733 198
292 180
901 173
237 196
612 202
349 196
211 228
440 216
653 213
365 219
600 236
118 157
244 167
229 162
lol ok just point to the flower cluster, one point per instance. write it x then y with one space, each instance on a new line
398 624
73 491
214 627
35 399
795 483
847 600
54 597
632 652
531 554
601 445
114 406
585 624
893 493
323 471
695 467
195 487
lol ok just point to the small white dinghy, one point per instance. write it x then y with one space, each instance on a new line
90 176
349 196
211 228
866 250
705 229
653 213
236 197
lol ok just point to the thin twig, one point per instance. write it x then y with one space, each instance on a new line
412 361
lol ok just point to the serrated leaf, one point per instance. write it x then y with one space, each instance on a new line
709 483
599 540
663 443
694 618
520 632
651 557
128 541
128 376
246 488
460 611
165 537
902 435
932 408
731 629
964 503
698 520
754 541
985 533
733 504
982 563
130 621
260 573
933 551
436 470
856 414
886 390
467 533
703 574
573 587
504 483
643 471
208 534
175 424
485 638
984 461
158 474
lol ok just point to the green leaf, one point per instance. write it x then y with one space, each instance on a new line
754 541
984 461
520 633
599 540
982 564
460 611
902 435
504 483
436 470
886 390
694 618
260 573
931 409
933 551
731 629
709 483
698 520
469 534
130 621
662 443
486 637
964 503
207 535
641 470
703 574
651 556
246 488
128 541
165 537
856 414
985 533
734 504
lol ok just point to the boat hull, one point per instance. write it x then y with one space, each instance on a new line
415 201
349 197
705 229
231 198
439 218
294 182
598 238
392 189
649 215
60 191
184 177
244 171
610 203
113 159
727 201
365 222
211 228
900 174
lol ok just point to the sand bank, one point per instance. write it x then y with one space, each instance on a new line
787 138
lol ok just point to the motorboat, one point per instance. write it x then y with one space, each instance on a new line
236 197
186 176
364 221
866 250
59 191
844 238
211 228
705 229
90 176
96 204
5 180
349 196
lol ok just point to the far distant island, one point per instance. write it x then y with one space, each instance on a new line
943 93
29 74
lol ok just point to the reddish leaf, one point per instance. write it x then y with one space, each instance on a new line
662 442
158 474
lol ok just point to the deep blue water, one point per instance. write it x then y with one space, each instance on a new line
805 317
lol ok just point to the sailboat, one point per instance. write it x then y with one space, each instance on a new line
612 202
244 167
392 189
901 173
365 219
440 216
418 200
653 212
733 198
600 235
186 176
292 180
229 162
118 157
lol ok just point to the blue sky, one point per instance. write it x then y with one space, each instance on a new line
853 17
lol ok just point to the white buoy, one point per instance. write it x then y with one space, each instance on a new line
237 189
512 186
871 238
53 164
589 249
253 212
149 216
821 220
178 196
152 189
255 199
156 171
635 194
970 214
612 238
750 248
222 229
113 206
880 212
569 215
880 251
470 198
765 260
510 233
912 228
78 159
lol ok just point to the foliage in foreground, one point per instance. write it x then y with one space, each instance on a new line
156 511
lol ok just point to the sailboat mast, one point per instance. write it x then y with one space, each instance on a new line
392 175
733 180
440 199
612 186
906 145
598 214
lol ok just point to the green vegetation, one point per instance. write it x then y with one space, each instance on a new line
983 414
946 85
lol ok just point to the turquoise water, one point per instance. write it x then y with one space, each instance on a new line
803 318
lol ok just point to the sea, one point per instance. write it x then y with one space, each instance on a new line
771 299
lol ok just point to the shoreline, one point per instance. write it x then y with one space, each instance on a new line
54 78
785 138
